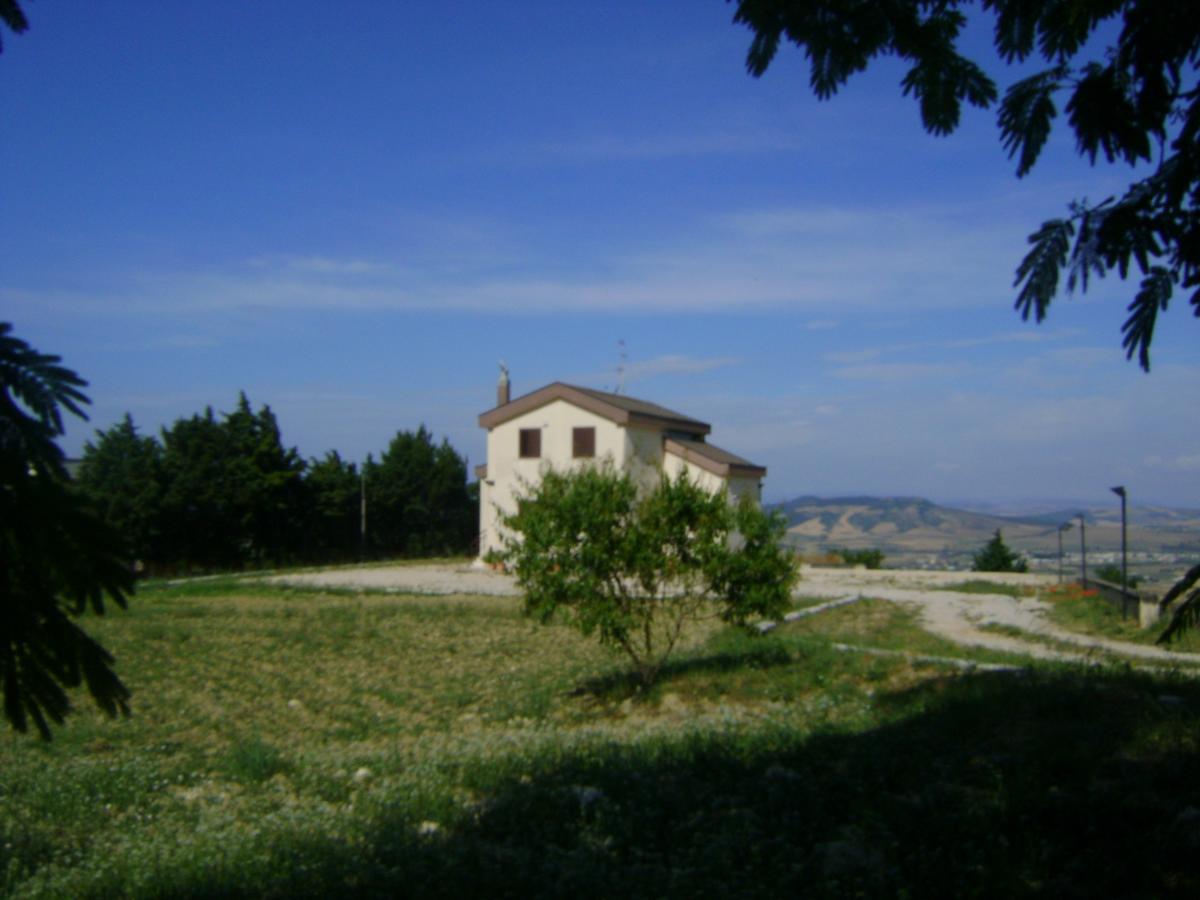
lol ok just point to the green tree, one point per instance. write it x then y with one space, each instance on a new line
333 487
233 494
265 482
997 557
121 476
635 570
871 559
1135 101
57 558
417 496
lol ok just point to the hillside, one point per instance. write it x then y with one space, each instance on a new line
915 532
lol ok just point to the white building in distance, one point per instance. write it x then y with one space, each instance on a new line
561 425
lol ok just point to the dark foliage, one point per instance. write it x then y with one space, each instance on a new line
57 558
995 556
1137 102
1185 597
871 558
222 492
417 497
334 496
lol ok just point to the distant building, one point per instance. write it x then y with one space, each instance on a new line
561 425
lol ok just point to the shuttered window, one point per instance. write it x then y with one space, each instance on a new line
531 443
583 442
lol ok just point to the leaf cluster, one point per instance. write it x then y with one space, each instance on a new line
57 558
634 570
1137 102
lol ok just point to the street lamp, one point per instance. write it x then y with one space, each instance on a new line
1120 492
1082 551
1065 526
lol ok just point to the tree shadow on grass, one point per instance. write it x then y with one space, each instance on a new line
988 785
623 684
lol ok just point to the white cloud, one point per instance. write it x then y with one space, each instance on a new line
1182 463
900 371
795 260
322 265
675 364
660 146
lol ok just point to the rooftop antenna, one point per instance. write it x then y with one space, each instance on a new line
621 359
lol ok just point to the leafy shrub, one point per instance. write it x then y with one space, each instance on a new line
635 570
1112 574
872 558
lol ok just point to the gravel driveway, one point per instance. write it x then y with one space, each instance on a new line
949 614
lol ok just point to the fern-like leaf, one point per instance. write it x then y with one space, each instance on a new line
1027 115
1152 298
1041 267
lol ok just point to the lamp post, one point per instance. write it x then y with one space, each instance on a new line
1120 492
1065 526
1082 552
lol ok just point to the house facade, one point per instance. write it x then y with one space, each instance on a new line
561 426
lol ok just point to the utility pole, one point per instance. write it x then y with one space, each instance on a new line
362 521
1082 552
1120 492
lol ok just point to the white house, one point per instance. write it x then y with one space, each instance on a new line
561 425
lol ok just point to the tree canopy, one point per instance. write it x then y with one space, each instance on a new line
636 569
222 491
995 556
57 558
1134 101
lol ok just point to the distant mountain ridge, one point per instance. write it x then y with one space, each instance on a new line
907 528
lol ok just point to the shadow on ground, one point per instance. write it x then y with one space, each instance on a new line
990 785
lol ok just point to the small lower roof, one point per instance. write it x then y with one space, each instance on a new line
713 459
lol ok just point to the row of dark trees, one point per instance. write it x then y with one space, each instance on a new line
222 492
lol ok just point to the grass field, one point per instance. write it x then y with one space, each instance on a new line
1087 613
298 743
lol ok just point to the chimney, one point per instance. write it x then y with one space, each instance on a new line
502 393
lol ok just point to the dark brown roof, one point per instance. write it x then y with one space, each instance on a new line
713 459
617 407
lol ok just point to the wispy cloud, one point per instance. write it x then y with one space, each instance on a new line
322 265
676 364
813 261
885 372
660 146
1181 463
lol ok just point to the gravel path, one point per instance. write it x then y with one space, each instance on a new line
956 616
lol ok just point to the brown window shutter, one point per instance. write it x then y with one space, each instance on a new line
583 442
531 443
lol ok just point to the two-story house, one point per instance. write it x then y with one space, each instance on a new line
562 425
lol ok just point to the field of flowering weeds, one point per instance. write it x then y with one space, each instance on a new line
295 743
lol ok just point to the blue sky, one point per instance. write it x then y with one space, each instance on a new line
353 211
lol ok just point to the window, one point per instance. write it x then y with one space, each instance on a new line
583 442
531 443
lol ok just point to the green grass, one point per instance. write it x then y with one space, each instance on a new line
304 744
1088 614
884 625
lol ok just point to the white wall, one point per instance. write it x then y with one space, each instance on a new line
638 450
511 476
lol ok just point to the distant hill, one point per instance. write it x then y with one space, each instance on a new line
915 531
